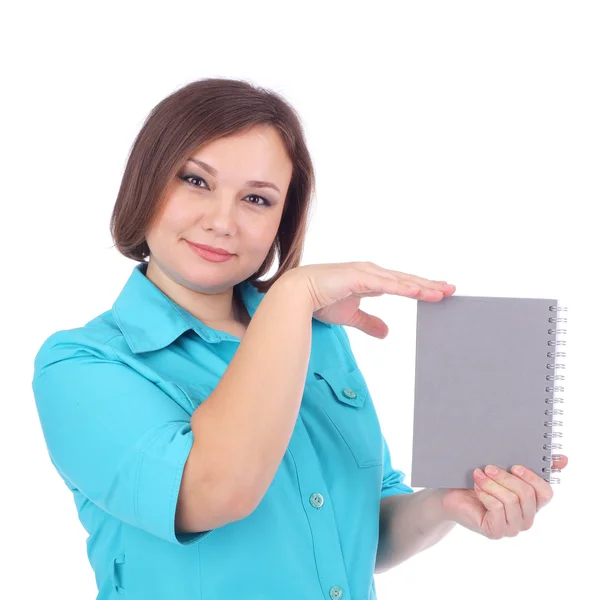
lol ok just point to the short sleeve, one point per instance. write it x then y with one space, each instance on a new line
114 435
393 480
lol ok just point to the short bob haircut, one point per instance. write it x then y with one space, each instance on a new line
194 115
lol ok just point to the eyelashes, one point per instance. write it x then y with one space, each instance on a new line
188 176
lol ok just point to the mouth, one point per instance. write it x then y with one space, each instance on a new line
212 249
208 253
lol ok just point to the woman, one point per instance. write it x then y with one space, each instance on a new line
216 431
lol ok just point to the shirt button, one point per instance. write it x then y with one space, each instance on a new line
349 393
335 592
317 500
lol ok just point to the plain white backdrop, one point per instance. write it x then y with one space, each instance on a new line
453 140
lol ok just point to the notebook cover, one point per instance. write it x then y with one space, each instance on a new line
480 387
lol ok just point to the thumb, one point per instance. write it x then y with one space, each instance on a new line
370 324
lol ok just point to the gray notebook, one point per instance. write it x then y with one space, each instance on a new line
485 387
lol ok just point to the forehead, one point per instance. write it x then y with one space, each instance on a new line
251 154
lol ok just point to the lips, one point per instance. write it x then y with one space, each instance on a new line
212 249
209 255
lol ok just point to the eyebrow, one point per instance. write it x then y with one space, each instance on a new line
251 183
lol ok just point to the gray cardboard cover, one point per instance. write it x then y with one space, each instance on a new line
480 387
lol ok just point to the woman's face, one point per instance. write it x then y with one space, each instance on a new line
215 205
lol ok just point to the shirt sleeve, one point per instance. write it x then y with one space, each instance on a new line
114 435
393 479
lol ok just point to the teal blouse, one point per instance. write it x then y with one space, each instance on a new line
115 399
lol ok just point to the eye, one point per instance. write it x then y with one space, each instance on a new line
266 202
191 177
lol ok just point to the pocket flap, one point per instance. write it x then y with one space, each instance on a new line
195 393
349 387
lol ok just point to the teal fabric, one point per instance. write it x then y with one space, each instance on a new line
115 399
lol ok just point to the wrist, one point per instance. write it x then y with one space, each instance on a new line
441 509
294 285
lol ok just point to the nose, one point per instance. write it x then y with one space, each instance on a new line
220 215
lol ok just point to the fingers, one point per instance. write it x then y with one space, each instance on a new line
559 461
370 282
442 286
518 497
405 285
543 490
516 516
493 519
524 490
370 324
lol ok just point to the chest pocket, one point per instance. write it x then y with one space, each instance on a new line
345 399
195 393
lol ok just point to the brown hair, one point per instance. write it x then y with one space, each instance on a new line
192 116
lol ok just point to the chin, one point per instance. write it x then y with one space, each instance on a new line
213 279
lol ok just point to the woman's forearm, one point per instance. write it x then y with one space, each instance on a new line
409 524
241 431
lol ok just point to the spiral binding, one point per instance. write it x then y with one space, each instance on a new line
557 388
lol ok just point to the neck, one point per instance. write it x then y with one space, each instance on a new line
213 310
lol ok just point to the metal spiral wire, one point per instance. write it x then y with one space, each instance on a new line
552 412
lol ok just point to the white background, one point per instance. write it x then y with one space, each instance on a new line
453 140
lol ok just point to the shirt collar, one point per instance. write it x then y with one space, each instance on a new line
150 320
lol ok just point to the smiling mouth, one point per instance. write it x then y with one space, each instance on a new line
209 254
212 249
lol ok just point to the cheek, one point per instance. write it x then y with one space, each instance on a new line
173 221
177 214
261 234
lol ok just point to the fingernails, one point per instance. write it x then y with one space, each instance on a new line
491 470
518 470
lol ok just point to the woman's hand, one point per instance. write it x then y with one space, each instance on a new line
500 504
337 288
